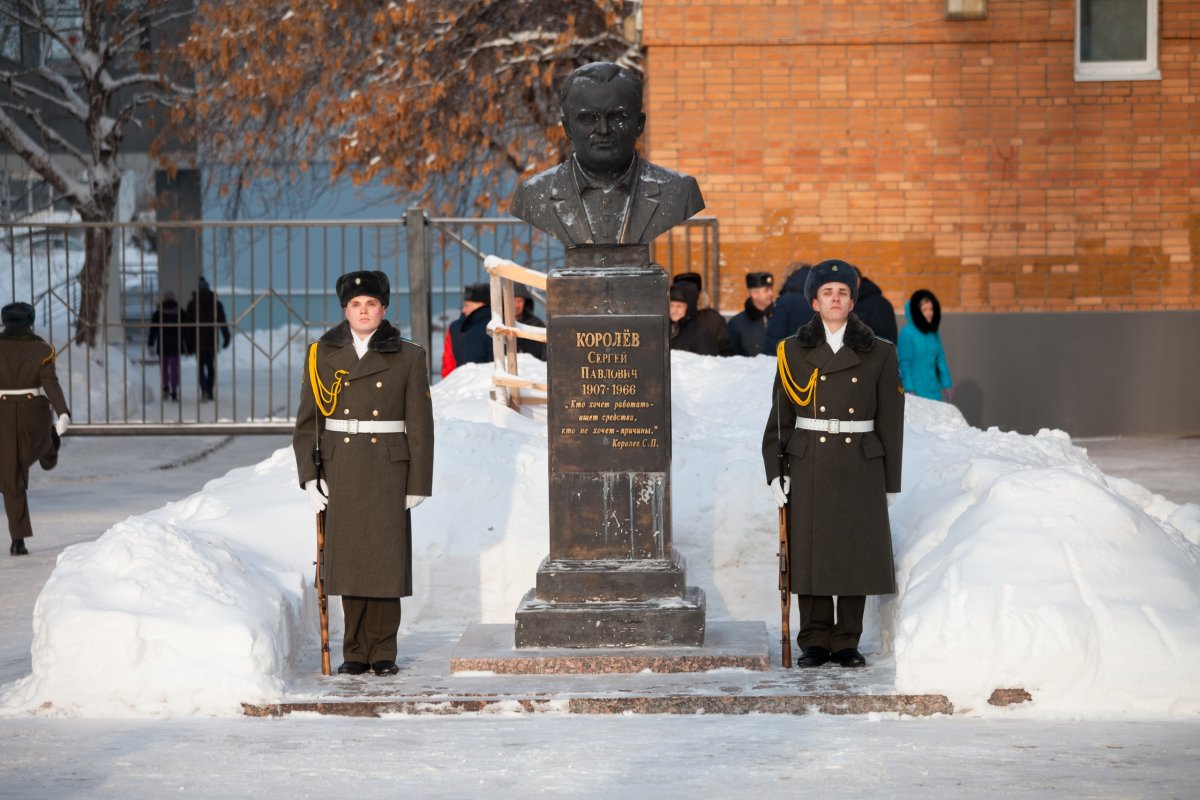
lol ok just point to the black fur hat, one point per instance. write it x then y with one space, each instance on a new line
357 284
831 271
17 315
690 277
477 293
755 280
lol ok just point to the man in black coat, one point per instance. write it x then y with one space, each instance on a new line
792 309
874 309
687 333
526 316
707 316
470 341
203 319
748 329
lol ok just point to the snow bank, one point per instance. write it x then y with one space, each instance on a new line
1020 565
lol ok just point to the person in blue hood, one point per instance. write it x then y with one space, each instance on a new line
923 367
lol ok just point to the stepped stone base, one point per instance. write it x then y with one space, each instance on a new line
728 645
658 622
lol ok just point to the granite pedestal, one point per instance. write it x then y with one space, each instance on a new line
612 578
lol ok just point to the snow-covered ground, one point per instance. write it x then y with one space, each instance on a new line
1020 564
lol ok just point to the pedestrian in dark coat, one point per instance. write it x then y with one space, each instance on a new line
525 306
687 333
792 309
875 310
28 432
837 426
748 329
706 315
369 399
470 342
922 359
203 320
164 341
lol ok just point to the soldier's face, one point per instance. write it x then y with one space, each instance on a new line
833 303
364 314
603 122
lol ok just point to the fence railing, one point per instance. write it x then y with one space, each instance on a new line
273 281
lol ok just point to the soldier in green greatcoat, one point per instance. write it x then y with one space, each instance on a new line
366 395
28 432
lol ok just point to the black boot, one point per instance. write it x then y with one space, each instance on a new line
17 548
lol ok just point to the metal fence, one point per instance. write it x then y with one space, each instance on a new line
272 281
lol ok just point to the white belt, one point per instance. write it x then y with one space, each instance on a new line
20 391
365 425
835 426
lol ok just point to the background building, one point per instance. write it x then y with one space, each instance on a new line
1037 168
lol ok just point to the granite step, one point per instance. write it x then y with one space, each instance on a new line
737 672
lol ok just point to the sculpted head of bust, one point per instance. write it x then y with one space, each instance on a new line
602 116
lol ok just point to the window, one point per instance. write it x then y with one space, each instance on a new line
1116 40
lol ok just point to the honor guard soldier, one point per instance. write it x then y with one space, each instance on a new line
365 409
26 432
832 450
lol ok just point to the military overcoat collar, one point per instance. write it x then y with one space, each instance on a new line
858 339
387 339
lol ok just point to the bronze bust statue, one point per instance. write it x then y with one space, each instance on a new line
605 193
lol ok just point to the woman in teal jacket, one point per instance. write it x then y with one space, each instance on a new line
923 366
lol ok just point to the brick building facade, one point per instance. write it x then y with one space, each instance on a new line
960 156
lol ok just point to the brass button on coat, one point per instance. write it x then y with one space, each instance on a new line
378 384
854 380
852 411
346 440
849 440
374 440
375 413
822 438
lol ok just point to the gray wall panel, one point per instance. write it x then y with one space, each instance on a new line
1088 373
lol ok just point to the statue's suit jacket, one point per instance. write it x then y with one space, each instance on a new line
662 199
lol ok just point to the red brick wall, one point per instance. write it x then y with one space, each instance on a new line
959 156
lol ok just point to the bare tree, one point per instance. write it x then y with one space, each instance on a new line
74 76
448 101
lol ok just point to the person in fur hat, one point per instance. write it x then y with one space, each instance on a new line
687 331
832 448
922 359
748 329
365 398
467 339
526 315
29 389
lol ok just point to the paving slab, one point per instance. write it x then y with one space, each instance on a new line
426 684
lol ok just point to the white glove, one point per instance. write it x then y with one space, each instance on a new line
316 499
892 498
413 500
779 488
62 423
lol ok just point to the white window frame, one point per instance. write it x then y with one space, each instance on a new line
1144 70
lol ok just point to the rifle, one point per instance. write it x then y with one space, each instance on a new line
322 598
785 594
